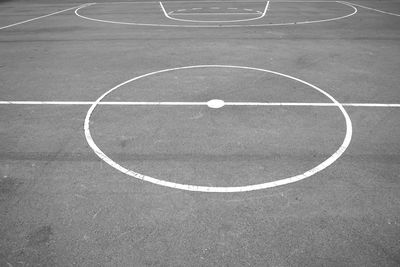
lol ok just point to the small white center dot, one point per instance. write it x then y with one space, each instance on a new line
215 103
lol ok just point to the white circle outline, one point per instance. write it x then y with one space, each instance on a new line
188 187
355 10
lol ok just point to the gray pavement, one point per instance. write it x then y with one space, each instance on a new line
61 205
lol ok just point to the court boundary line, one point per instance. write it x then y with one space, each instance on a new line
166 14
172 103
374 9
355 10
43 16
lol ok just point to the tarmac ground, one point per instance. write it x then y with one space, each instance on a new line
200 133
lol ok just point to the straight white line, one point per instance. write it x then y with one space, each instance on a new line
154 103
372 105
44 16
34 5
165 103
46 103
294 104
163 9
208 14
265 10
370 8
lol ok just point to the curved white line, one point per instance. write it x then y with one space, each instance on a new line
373 9
355 10
213 21
220 26
188 187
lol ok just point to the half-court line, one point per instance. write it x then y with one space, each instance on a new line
167 103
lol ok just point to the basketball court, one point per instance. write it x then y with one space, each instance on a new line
199 133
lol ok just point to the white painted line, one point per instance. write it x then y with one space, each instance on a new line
209 14
44 16
327 162
216 103
212 21
373 9
355 10
266 9
165 103
228 25
220 1
46 103
213 13
300 104
163 9
154 103
373 105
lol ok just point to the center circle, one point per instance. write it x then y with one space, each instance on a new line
216 103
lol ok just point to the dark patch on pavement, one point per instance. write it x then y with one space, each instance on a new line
49 156
8 186
41 235
123 143
60 29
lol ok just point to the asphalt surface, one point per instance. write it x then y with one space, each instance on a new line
61 205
